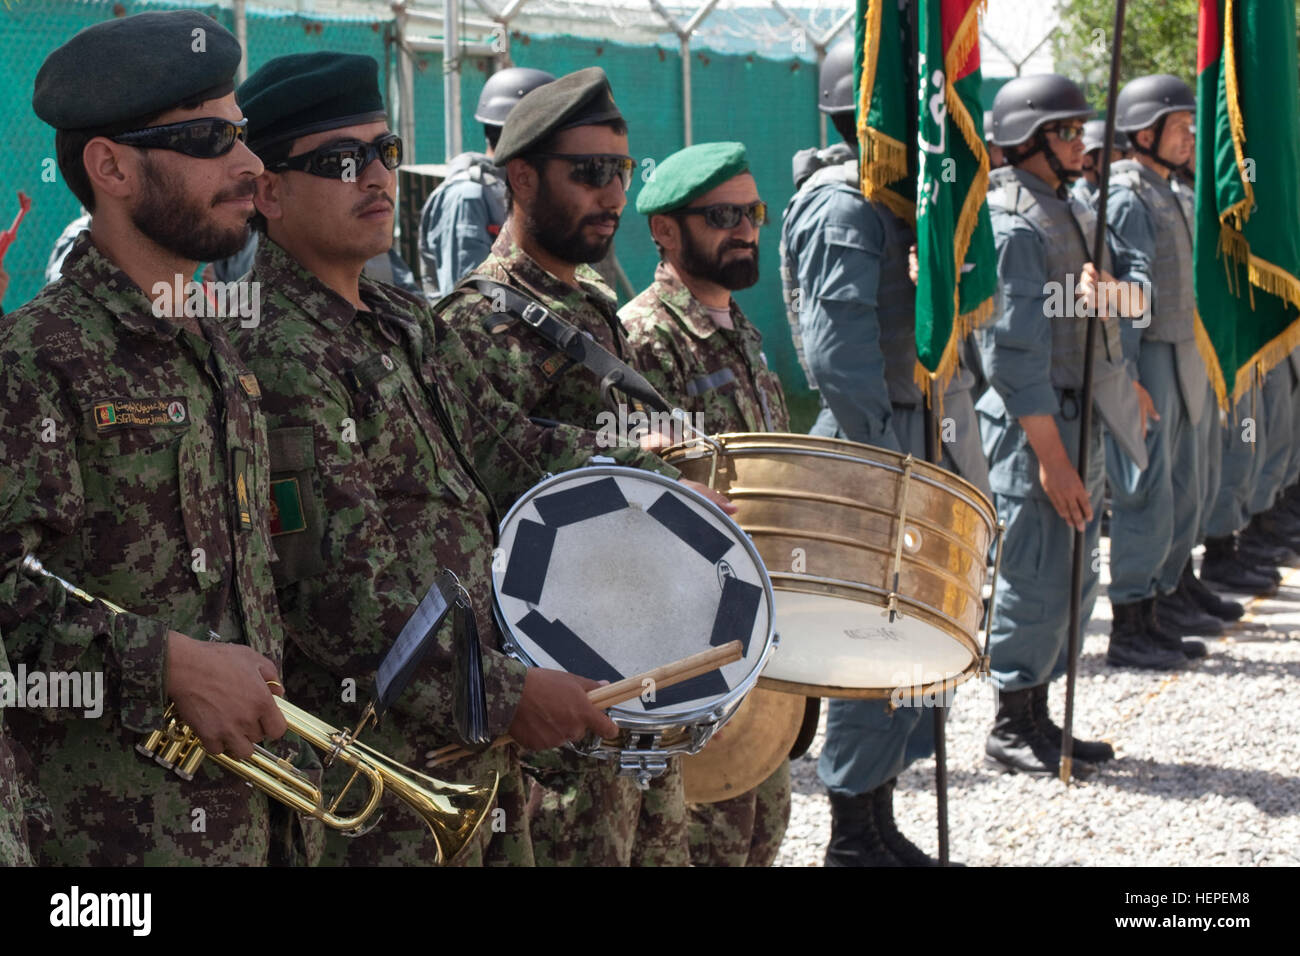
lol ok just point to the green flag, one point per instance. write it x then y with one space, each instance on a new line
920 128
1247 188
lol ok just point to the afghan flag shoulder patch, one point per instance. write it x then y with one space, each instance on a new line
286 507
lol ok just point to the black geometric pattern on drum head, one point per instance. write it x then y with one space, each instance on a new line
529 559
570 651
737 611
591 500
712 684
690 527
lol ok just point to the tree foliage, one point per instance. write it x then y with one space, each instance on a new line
1159 37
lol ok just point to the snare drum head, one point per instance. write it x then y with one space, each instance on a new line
607 572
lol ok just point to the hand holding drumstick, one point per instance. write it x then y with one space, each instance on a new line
608 695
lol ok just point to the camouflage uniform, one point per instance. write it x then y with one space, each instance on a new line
13 823
135 466
723 375
585 813
365 520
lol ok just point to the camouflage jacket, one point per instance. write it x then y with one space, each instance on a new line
523 366
392 458
133 463
700 367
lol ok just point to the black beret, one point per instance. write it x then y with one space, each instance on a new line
133 67
305 93
578 99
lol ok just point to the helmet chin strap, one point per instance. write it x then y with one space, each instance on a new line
1153 154
1040 145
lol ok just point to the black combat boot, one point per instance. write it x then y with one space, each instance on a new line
1178 613
1223 566
1164 637
1093 751
1016 745
855 838
1281 524
1132 645
905 851
1256 540
1205 599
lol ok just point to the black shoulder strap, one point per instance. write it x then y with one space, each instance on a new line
578 345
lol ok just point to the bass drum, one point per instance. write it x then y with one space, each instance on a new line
878 560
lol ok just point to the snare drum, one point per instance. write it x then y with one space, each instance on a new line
607 572
878 560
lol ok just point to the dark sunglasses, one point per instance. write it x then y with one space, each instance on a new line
331 161
1066 134
205 138
596 169
727 215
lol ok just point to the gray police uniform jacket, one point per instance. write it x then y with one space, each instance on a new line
460 221
1156 220
1033 353
849 301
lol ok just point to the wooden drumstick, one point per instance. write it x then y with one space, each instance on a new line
666 675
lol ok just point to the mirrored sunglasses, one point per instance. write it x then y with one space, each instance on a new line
345 158
205 138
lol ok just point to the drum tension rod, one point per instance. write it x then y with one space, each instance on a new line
993 596
898 538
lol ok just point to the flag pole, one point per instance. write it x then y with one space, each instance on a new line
932 456
1085 412
940 710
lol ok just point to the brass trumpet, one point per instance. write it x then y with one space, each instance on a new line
453 812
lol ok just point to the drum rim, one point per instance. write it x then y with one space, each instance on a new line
759 442
722 707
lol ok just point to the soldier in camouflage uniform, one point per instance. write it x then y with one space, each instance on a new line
134 461
366 520
564 148
697 348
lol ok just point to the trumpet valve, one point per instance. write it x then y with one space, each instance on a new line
189 766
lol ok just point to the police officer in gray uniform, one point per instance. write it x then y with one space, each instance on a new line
1157 514
1094 136
850 305
1033 355
462 217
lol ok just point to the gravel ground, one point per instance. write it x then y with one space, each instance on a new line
1207 769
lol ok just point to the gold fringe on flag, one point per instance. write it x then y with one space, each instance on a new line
1271 355
1234 247
963 42
1211 360
883 158
963 326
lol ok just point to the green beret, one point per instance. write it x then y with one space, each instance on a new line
305 93
689 173
128 68
578 99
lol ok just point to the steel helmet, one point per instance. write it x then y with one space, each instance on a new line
504 89
1024 104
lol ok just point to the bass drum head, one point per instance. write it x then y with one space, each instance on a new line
607 572
856 644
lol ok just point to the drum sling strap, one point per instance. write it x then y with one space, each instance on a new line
577 344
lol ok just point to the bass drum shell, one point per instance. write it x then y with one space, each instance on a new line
824 515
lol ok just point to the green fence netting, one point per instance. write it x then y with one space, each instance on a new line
767 104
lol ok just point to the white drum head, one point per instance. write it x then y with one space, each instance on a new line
609 572
837 642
